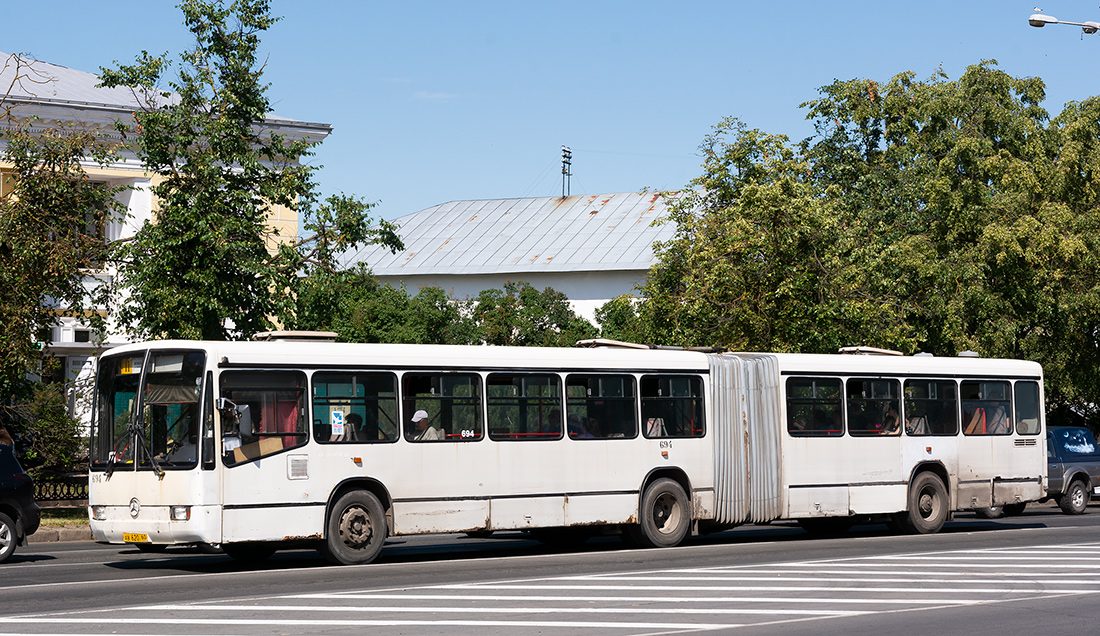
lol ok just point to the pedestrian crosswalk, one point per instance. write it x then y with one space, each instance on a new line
677 600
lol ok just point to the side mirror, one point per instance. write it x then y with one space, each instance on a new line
244 419
236 418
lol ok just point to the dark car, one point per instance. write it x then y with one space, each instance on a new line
18 513
1073 462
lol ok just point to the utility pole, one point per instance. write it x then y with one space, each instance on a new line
566 166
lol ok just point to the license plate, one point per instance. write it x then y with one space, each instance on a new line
130 537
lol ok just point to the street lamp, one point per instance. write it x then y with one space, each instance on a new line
1040 20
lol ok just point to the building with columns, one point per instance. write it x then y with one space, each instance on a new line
43 96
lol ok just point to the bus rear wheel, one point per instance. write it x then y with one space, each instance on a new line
664 517
927 505
356 529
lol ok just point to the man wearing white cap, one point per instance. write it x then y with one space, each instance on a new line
424 432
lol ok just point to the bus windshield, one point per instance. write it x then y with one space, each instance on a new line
165 432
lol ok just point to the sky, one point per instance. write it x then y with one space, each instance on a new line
433 102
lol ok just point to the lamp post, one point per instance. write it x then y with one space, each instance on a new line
1040 20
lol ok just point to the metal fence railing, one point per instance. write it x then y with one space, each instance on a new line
61 488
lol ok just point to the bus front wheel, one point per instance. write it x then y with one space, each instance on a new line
664 517
927 505
356 529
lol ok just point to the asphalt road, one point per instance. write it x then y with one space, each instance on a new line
1038 573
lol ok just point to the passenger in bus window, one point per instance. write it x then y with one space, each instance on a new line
424 431
577 429
890 423
353 427
553 423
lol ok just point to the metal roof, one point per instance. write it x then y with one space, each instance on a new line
28 80
547 234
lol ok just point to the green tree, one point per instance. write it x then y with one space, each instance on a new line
210 266
753 263
354 305
619 320
51 220
936 215
520 315
51 232
47 434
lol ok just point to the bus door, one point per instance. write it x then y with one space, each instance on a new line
265 473
984 450
873 456
1019 455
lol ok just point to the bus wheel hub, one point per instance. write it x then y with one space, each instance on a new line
355 528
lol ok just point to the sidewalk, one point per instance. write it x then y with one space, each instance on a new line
64 533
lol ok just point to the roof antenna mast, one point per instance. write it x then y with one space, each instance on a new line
566 170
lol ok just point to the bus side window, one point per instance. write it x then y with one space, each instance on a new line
526 406
873 407
931 407
272 413
672 406
600 406
442 407
1027 408
814 407
986 408
355 407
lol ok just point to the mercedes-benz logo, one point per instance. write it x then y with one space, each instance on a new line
135 507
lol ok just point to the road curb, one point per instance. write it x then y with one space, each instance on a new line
50 535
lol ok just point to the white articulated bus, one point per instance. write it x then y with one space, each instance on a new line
253 446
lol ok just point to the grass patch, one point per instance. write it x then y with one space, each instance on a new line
60 517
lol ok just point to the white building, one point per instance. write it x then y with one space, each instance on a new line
42 96
592 248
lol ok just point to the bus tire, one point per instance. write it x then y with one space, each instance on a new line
249 552
356 529
1075 499
928 505
664 517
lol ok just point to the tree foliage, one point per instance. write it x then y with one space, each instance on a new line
937 215
354 305
521 315
360 309
52 221
210 266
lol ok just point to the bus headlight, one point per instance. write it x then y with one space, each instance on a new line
181 513
99 513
